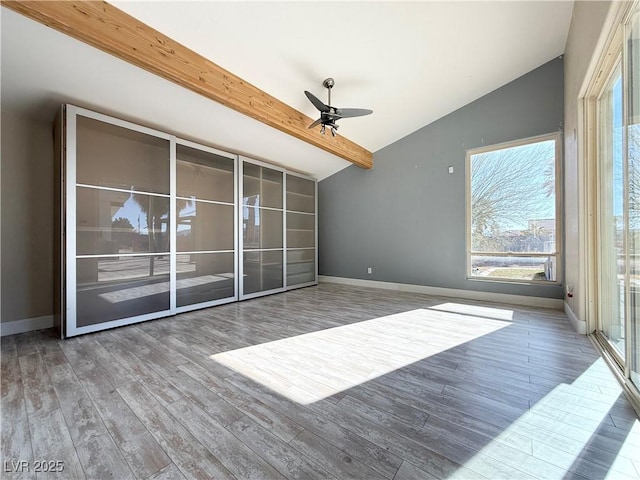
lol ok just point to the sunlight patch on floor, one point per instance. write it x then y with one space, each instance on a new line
557 428
307 368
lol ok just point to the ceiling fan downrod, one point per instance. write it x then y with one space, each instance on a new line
328 84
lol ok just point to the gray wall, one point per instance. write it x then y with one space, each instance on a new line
406 217
27 218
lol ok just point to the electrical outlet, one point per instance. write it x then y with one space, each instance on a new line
450 169
369 270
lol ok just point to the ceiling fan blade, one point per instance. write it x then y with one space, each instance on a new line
316 123
353 112
316 102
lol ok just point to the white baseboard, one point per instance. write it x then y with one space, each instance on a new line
26 325
525 300
580 326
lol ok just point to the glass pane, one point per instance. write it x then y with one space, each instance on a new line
633 158
111 222
203 277
204 175
514 268
513 200
301 230
301 194
110 156
261 186
204 226
261 228
272 184
115 288
262 271
301 266
611 211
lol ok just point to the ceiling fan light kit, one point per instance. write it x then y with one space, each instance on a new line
328 114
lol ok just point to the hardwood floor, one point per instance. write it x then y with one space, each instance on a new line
327 382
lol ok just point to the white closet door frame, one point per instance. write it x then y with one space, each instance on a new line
173 224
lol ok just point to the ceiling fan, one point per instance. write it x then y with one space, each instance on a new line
328 114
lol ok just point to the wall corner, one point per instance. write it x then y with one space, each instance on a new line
580 326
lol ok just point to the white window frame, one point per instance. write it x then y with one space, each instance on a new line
557 138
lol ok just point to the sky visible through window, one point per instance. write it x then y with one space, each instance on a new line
618 168
512 187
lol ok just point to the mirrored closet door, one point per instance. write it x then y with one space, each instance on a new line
206 225
151 225
301 231
262 216
118 222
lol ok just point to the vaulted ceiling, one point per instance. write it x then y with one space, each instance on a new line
411 62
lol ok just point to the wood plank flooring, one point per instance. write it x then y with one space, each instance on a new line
327 382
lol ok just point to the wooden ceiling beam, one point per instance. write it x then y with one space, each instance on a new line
113 31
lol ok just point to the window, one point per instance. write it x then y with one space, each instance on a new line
512 211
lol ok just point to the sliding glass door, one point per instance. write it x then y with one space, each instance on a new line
618 201
611 212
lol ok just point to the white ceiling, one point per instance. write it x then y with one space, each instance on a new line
411 62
